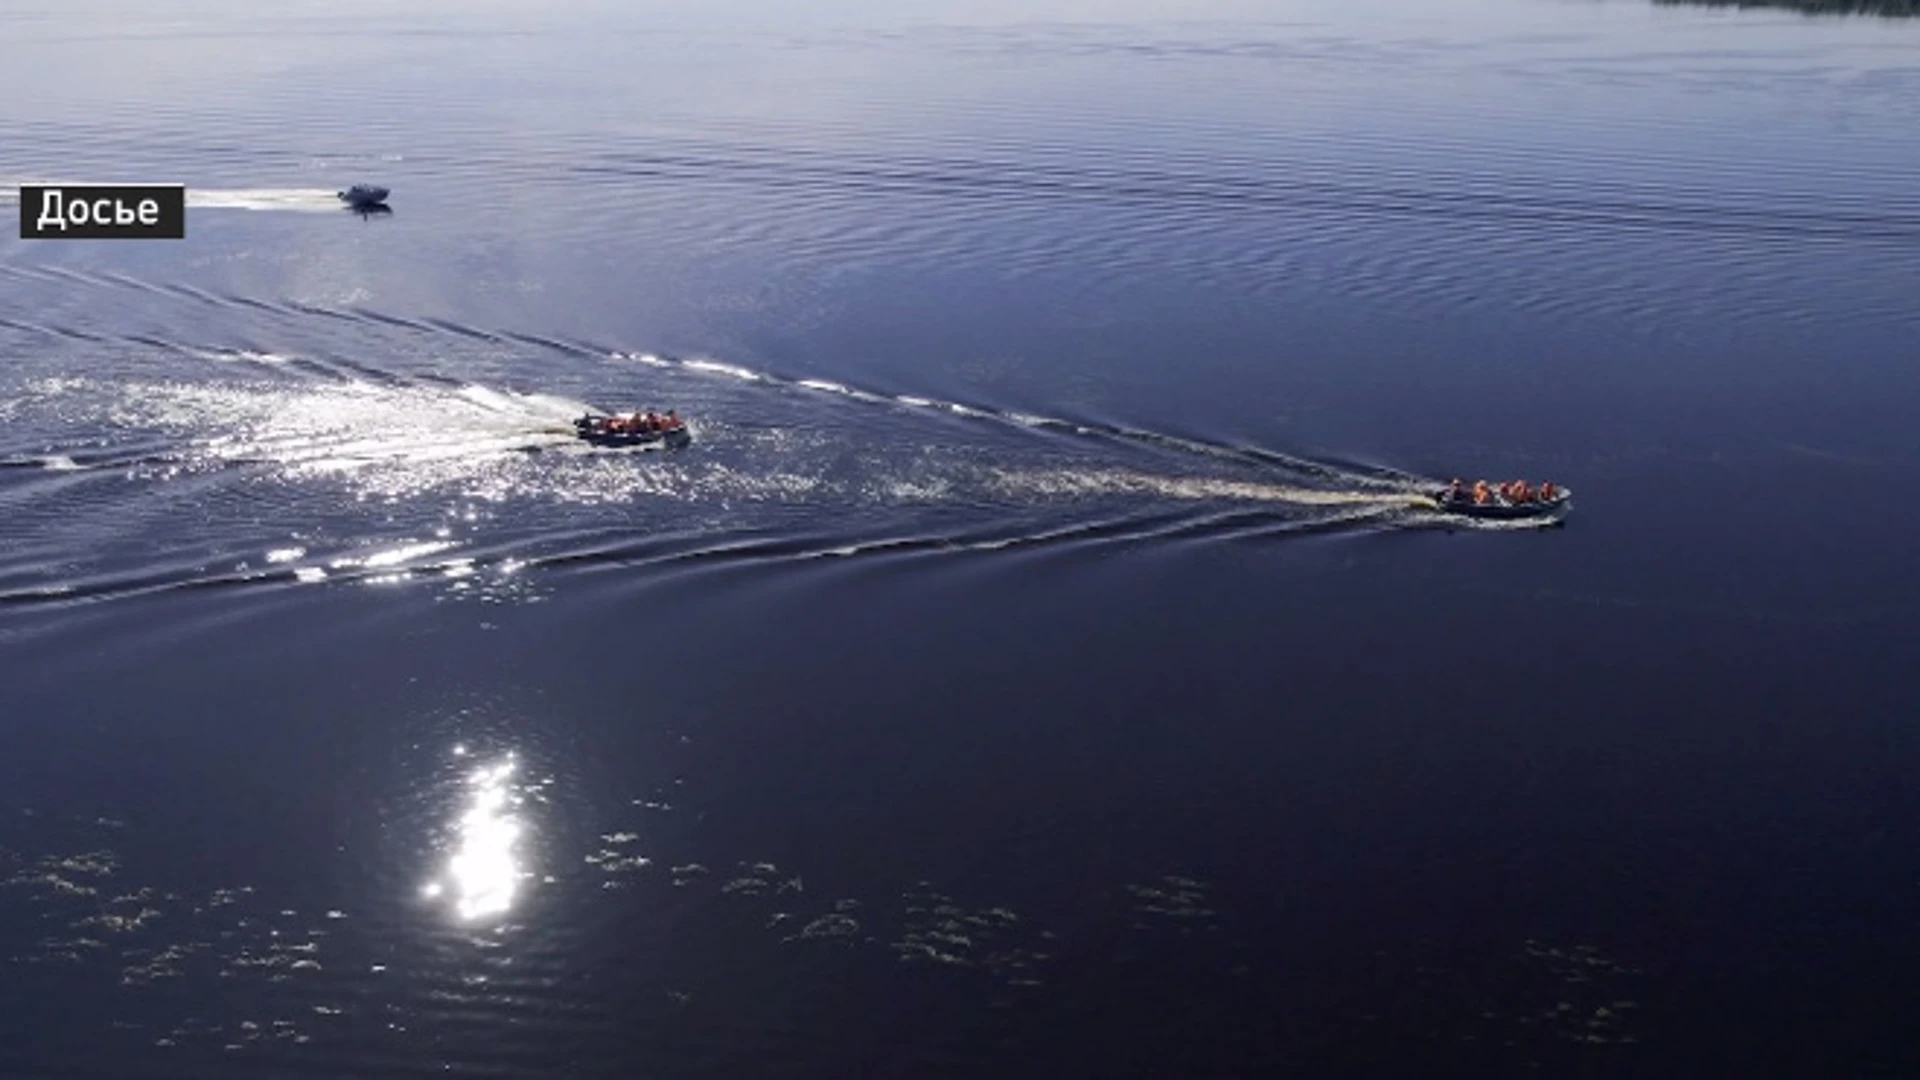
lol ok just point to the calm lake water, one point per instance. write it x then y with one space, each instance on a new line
1045 660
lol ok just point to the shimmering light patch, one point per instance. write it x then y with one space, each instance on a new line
236 356
830 387
385 440
483 874
393 556
280 555
402 442
718 368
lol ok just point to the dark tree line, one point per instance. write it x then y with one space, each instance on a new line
1889 8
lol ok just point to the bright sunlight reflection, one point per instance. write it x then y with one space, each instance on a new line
483 873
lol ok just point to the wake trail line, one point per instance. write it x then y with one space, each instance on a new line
370 415
1369 479
1372 478
299 200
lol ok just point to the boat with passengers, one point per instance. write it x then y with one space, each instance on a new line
638 428
1506 500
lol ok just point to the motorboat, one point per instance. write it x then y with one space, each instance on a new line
621 431
1497 505
364 197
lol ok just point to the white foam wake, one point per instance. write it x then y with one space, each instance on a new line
1080 483
307 200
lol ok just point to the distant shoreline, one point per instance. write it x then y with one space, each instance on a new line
1886 8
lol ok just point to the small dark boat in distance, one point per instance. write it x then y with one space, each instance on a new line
631 431
1498 505
364 197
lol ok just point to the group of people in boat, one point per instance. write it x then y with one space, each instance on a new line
642 423
1516 492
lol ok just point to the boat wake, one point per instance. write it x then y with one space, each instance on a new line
296 200
275 466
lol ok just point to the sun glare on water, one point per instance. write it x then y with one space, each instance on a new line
483 875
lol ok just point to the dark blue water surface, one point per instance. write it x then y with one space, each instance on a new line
1046 660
